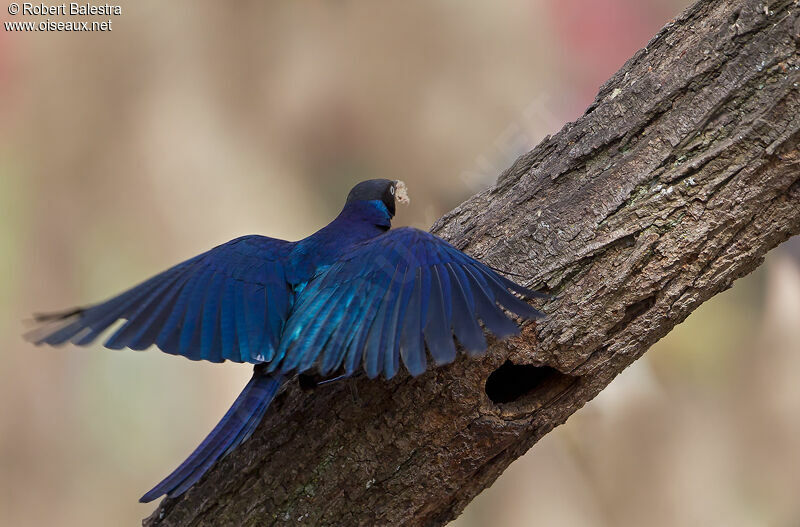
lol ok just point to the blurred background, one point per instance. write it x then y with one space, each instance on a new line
191 123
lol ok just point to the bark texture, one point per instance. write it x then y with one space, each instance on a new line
678 179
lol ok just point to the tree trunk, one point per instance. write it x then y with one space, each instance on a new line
676 181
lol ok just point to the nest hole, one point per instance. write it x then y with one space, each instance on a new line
512 382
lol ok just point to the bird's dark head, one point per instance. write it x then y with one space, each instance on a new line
387 191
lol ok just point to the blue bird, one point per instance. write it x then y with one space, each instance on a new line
355 294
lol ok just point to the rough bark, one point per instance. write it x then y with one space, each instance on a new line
678 179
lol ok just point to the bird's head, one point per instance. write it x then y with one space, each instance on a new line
387 191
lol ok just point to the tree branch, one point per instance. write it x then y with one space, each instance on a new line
681 175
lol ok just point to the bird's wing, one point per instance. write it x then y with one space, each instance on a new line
391 297
228 303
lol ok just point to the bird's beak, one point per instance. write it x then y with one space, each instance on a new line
401 192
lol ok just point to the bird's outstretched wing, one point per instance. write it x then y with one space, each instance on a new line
388 299
228 303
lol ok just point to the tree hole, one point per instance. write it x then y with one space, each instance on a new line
510 382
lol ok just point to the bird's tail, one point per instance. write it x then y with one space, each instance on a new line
236 426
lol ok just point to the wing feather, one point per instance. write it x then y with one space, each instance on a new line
228 303
394 299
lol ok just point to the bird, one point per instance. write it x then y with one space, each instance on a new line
355 297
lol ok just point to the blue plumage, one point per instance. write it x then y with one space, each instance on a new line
352 295
236 425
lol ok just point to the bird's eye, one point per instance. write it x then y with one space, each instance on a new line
391 190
